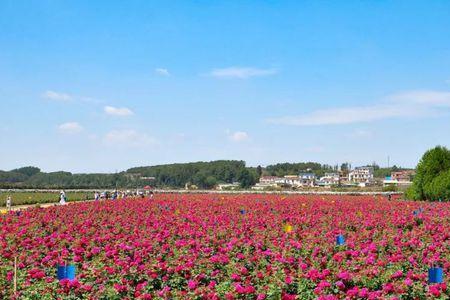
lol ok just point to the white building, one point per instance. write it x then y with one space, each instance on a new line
307 178
228 186
361 175
292 180
329 179
268 182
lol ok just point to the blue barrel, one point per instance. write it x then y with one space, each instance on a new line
66 272
435 275
340 240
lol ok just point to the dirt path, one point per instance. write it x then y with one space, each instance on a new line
43 205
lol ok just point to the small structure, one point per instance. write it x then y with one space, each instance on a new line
361 175
307 179
292 180
228 186
399 178
329 179
267 182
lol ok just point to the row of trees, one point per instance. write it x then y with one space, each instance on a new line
432 180
201 174
283 169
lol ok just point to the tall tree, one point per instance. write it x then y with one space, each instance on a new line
431 174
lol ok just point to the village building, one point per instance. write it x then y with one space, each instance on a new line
307 179
329 179
361 175
399 178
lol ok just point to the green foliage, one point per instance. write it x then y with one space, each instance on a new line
439 188
432 180
27 171
23 198
247 178
283 169
390 188
202 174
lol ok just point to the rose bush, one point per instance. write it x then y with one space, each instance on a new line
204 247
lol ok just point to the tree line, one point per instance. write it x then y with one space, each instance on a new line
431 182
201 174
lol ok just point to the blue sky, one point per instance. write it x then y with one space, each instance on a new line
97 86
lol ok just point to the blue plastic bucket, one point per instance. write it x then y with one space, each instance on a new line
66 272
435 275
340 240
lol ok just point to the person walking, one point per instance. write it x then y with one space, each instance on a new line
62 198
8 203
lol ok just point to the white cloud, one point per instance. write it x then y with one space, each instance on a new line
401 105
128 137
241 72
117 111
238 136
70 127
425 97
162 72
56 96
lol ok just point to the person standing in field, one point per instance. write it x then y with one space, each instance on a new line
8 203
96 196
62 198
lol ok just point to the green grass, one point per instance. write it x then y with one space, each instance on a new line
24 198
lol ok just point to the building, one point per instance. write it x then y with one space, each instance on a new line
292 180
399 178
228 186
266 182
405 175
270 180
329 179
307 178
361 175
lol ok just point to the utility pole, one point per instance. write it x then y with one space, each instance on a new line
388 161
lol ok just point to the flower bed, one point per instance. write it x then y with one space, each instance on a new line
228 247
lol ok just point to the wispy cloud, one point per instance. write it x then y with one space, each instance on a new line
425 97
68 98
238 136
241 72
118 111
129 137
70 128
162 72
57 96
401 105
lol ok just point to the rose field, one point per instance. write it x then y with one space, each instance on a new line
210 246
